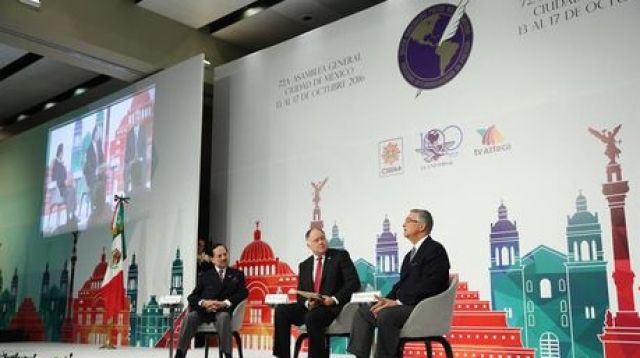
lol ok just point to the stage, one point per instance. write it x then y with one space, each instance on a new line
62 350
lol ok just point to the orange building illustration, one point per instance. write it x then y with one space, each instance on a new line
89 325
264 274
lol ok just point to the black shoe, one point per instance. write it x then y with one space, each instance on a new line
180 354
227 355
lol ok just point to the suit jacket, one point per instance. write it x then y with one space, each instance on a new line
136 148
210 287
92 160
427 275
59 175
339 276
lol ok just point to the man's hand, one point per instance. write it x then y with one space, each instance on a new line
209 305
323 301
382 303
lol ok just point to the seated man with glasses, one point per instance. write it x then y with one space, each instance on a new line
424 273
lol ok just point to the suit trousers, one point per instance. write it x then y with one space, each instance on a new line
190 327
316 320
389 322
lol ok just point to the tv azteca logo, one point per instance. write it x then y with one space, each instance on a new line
492 141
435 46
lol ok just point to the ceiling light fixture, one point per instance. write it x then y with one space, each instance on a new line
79 91
206 62
32 3
22 117
49 105
252 11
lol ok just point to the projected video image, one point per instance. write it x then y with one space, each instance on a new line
90 159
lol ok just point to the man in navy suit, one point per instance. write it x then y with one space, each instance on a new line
329 272
424 273
218 291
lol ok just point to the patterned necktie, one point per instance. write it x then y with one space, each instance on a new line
412 254
221 273
318 278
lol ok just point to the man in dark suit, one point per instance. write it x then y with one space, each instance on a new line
217 293
135 156
330 273
93 171
424 273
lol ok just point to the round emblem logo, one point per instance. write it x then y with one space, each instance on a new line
435 46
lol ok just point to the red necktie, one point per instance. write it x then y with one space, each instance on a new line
318 279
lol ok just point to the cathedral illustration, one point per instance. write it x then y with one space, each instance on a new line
558 299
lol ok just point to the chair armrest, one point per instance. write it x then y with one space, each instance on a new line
238 316
342 323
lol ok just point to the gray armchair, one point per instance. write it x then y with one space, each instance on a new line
340 327
431 320
236 323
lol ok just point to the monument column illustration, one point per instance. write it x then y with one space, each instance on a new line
621 335
316 221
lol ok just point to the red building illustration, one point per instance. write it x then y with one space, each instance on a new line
264 274
621 337
89 325
28 320
477 331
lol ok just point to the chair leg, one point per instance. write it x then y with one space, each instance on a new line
299 341
445 344
427 345
400 348
238 342
206 346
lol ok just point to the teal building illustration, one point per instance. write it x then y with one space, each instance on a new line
366 274
336 242
559 300
153 323
132 293
176 275
53 303
587 272
8 301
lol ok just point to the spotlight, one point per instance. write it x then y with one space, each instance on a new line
32 3
206 62
252 11
22 117
79 91
49 105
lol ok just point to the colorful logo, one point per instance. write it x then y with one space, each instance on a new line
437 143
492 141
435 46
390 157
491 135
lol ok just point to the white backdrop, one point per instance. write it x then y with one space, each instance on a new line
542 89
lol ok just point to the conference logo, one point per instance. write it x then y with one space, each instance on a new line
390 157
492 141
435 46
439 146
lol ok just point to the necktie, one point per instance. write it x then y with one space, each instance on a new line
412 254
318 278
221 273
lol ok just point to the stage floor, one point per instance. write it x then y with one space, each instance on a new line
62 350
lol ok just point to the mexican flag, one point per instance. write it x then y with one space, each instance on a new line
112 289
